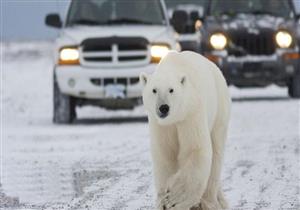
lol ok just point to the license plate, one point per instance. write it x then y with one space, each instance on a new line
115 91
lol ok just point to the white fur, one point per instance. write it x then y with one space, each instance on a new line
187 146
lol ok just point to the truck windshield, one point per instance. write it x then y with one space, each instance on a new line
174 3
103 12
232 7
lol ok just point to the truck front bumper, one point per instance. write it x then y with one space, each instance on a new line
258 70
90 83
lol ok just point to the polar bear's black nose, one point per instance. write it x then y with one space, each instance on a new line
164 109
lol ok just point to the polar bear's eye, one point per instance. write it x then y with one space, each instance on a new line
171 90
154 91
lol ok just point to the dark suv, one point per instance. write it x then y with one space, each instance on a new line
254 42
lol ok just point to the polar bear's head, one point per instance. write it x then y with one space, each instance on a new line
166 92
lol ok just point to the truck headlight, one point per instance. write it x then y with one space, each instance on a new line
158 51
69 56
218 41
284 39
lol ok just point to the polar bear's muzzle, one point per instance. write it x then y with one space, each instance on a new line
163 110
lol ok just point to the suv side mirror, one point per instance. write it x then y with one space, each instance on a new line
179 20
53 20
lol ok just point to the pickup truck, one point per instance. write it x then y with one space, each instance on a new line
102 48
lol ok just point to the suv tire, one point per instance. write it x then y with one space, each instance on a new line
294 86
63 106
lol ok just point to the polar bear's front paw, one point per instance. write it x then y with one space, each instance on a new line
175 195
171 199
180 193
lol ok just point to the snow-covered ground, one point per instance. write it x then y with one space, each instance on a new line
101 163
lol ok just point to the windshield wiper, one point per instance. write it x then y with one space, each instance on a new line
129 20
84 21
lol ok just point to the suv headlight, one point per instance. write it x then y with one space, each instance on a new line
218 41
158 51
68 56
284 39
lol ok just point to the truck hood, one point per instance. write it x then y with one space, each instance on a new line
250 21
75 35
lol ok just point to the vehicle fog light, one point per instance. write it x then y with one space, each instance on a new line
71 82
290 69
82 93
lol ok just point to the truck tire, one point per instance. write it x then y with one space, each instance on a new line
63 106
294 86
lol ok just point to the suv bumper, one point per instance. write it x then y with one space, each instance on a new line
90 83
257 70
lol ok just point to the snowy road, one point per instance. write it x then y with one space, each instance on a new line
105 164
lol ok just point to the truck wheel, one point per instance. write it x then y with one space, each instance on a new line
63 106
294 86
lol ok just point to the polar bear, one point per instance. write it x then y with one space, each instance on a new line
188 105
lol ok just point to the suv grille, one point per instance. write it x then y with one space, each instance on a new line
262 43
114 52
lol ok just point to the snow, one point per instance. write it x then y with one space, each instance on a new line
247 21
102 161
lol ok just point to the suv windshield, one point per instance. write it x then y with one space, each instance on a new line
102 12
174 3
232 7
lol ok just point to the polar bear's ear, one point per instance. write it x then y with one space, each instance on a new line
183 80
144 78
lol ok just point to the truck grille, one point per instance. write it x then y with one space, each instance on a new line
262 43
121 81
114 52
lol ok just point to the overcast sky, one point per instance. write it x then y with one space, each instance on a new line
24 19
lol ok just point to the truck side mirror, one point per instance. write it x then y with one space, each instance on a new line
179 20
195 16
53 20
